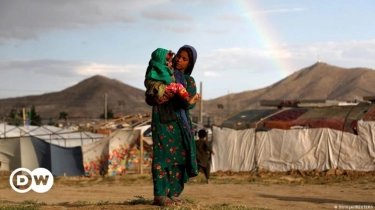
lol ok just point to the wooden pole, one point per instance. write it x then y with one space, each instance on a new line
201 104
141 155
24 116
105 107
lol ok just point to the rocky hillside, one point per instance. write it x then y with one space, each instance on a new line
87 98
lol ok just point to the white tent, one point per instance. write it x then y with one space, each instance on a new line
303 149
51 134
17 152
17 149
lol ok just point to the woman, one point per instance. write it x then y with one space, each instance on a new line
174 158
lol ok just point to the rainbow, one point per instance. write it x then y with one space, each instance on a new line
265 35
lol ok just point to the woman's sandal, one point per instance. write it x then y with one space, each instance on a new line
163 201
176 200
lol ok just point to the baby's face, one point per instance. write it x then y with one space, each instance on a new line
169 62
169 59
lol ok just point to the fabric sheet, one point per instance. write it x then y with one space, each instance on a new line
302 149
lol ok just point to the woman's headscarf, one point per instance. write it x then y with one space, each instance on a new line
192 60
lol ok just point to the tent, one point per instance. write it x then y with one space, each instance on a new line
303 149
51 134
248 118
281 148
117 153
47 147
17 152
53 148
60 161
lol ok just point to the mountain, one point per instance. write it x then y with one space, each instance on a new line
320 81
86 99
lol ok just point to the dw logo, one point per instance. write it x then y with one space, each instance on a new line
41 180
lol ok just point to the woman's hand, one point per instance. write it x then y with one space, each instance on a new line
196 98
169 94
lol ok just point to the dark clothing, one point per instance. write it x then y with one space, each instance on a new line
203 152
205 170
203 157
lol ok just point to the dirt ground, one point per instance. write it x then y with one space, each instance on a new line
264 190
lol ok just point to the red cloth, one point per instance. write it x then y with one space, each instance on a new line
179 89
175 88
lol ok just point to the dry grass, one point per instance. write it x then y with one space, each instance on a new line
138 202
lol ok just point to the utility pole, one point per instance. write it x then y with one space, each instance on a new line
121 104
228 107
24 116
201 104
105 107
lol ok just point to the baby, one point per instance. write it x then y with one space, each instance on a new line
159 77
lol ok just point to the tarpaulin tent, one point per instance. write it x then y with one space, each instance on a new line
303 149
17 152
116 153
51 134
342 118
283 119
58 160
247 119
322 138
32 147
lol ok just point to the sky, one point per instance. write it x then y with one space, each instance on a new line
48 46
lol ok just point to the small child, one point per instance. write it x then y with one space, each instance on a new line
159 77
204 152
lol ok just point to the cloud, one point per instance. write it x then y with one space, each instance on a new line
165 15
352 50
241 18
258 60
70 68
180 29
184 28
41 67
359 50
198 2
232 60
132 71
216 31
230 18
285 10
211 74
43 76
25 19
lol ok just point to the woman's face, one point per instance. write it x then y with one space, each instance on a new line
182 60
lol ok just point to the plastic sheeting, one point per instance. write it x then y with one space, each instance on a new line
51 134
10 154
303 149
234 150
123 153
95 157
58 160
115 154
248 118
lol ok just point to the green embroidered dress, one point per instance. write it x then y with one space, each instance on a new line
174 158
